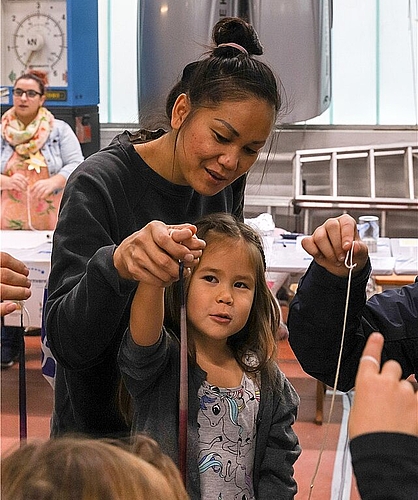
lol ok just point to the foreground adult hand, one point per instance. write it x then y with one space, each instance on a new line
151 255
14 282
331 241
382 401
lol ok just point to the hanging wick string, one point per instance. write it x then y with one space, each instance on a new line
28 212
29 215
23 414
349 265
183 391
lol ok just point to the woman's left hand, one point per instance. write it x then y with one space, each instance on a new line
44 187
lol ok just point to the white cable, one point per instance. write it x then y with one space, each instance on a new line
349 264
24 311
28 212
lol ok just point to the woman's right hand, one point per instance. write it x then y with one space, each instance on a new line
17 181
152 254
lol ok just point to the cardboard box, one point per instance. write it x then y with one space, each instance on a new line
34 249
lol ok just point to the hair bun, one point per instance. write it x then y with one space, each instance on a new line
236 30
41 75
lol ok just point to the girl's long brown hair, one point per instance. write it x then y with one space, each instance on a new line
259 334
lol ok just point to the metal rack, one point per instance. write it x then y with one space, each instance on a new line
381 177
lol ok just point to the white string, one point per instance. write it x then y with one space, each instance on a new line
24 311
349 264
29 212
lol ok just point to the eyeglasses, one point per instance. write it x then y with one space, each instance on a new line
31 94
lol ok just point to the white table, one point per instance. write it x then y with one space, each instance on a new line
24 239
382 261
399 255
34 249
405 253
289 256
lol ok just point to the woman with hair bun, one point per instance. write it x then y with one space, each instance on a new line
119 207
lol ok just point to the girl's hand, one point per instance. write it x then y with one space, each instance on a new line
382 401
330 243
152 254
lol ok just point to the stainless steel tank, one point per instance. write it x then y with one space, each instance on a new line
295 35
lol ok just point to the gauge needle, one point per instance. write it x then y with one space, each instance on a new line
30 57
37 46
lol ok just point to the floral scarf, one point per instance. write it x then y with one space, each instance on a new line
18 209
30 139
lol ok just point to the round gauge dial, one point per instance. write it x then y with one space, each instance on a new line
34 37
39 42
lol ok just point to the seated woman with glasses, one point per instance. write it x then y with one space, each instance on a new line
38 153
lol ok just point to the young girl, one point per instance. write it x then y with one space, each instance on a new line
241 407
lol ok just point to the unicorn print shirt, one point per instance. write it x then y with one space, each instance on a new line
225 459
227 434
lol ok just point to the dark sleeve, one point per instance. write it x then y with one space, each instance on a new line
87 301
316 320
315 324
386 466
281 450
394 313
142 365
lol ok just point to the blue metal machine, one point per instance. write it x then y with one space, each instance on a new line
59 38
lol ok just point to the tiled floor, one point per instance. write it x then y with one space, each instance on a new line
39 405
38 394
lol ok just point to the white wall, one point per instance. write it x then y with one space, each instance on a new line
117 61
